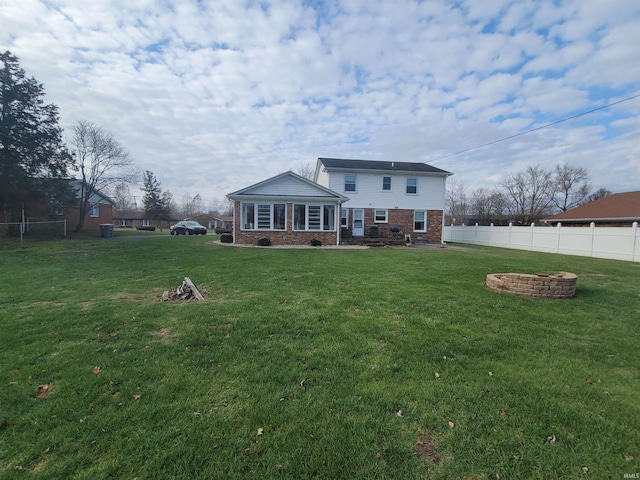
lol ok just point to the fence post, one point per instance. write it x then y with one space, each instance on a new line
558 239
533 225
475 234
592 228
510 227
634 232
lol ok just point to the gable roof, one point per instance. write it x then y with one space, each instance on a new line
386 166
619 207
287 185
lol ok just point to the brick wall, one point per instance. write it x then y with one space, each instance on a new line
404 220
280 237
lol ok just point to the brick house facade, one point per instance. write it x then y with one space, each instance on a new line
288 210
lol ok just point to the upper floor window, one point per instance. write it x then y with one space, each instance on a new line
412 186
349 183
386 184
94 210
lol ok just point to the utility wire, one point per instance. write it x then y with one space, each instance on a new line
536 129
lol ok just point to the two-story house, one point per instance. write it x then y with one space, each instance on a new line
387 199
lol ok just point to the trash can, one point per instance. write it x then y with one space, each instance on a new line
106 230
373 232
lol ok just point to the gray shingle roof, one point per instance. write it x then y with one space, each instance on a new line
347 164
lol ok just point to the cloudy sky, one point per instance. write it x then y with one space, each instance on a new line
214 95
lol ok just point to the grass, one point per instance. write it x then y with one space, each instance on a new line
312 364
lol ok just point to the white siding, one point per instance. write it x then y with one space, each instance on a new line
369 194
287 186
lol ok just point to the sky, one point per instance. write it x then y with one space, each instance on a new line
215 95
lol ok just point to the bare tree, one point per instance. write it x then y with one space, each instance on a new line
101 160
572 186
456 201
529 194
597 195
307 171
123 197
488 206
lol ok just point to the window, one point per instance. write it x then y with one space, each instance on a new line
57 207
412 186
329 217
263 216
349 183
380 216
314 217
94 210
279 216
299 217
248 216
315 212
344 218
419 221
145 222
386 184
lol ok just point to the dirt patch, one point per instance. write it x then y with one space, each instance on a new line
164 333
425 449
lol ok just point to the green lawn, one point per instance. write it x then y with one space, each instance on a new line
380 363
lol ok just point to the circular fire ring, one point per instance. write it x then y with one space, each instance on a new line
541 285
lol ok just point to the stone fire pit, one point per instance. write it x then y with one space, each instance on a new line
562 285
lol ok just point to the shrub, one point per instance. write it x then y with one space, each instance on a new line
264 242
147 228
315 242
226 238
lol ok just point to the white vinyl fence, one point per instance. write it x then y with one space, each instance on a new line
620 243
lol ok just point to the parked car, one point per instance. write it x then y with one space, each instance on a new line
187 227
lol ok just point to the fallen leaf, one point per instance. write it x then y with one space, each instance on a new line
260 431
436 375
451 424
137 396
491 374
629 458
585 470
551 439
588 380
116 394
399 413
504 413
97 370
43 389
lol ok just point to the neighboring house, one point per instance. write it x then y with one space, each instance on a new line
49 208
287 209
618 209
100 210
221 223
131 219
387 199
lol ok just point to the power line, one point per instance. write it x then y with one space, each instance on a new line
536 129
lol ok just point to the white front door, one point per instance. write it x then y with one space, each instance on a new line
358 223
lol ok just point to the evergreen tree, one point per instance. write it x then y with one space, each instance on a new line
33 157
155 202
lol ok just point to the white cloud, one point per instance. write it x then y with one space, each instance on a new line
213 96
